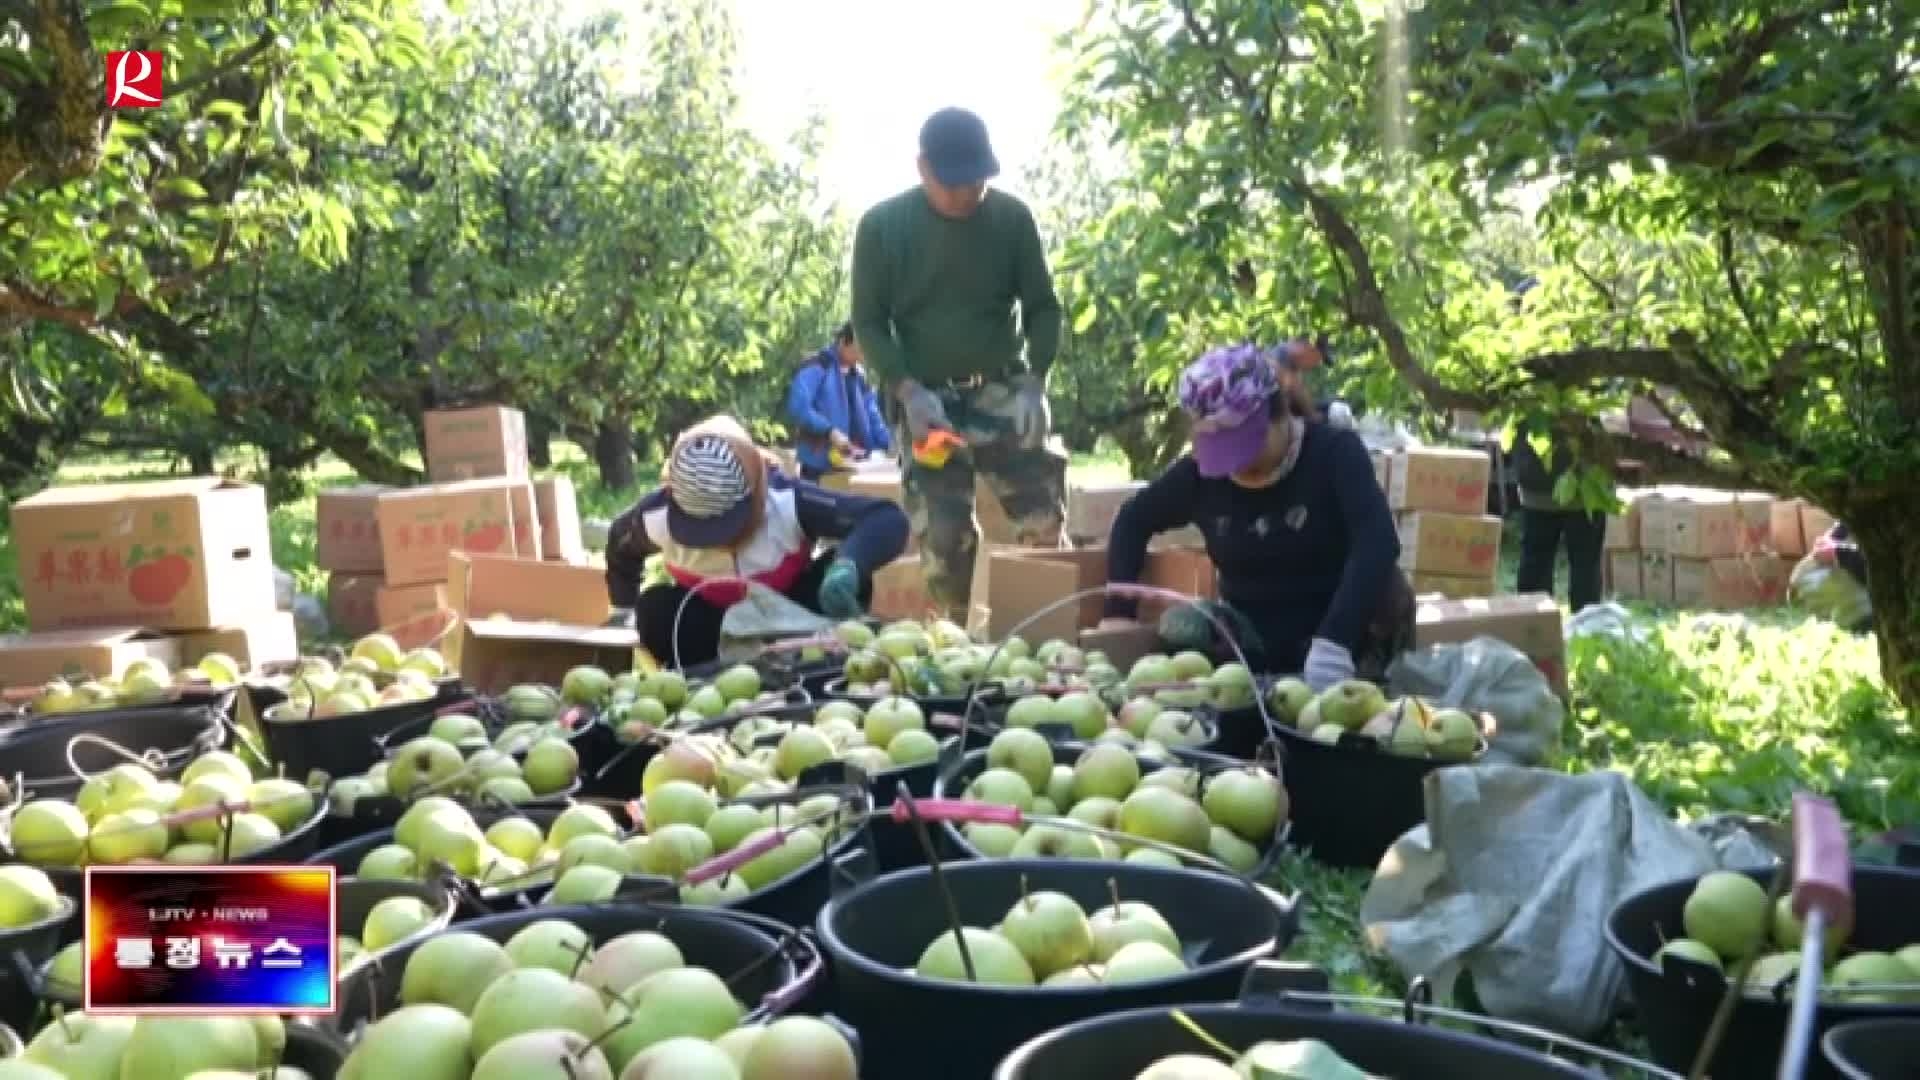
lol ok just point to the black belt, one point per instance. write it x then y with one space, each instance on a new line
975 382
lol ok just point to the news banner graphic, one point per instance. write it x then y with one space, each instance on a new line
210 939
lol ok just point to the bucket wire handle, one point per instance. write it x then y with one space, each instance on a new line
1415 1011
152 759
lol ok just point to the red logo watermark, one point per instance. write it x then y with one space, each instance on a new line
133 80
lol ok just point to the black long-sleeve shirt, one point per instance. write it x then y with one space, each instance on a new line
871 533
1311 556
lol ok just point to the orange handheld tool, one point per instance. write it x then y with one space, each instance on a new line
939 444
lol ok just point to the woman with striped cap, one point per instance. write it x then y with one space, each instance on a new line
726 514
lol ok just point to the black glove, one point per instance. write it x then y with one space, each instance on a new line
620 619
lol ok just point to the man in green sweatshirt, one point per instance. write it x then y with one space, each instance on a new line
937 270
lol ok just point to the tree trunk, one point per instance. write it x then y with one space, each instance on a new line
539 441
613 452
363 457
200 460
1885 534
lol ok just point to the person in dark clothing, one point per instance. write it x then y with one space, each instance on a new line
833 409
1546 525
727 515
1293 520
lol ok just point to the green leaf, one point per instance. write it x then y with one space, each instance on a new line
1083 321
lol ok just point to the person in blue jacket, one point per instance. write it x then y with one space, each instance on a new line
833 408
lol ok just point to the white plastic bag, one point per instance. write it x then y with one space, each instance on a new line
1488 675
1512 880
1830 592
764 617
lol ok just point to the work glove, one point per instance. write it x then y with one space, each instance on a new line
1327 664
923 410
840 591
1031 417
620 619
1340 415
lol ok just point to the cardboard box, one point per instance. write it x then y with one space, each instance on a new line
1530 622
1755 511
1450 586
1656 578
420 526
1091 508
1814 523
1732 583
415 615
1123 645
1654 505
1440 479
351 610
1704 525
1623 528
494 654
1623 573
1455 544
472 444
28 660
1784 525
482 586
559 513
165 554
1022 582
526 522
261 640
900 591
347 529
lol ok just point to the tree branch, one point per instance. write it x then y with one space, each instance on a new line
1207 41
1732 78
1369 305
232 65
1736 288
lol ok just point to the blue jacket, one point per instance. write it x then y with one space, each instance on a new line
818 404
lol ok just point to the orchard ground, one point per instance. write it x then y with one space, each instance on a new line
1707 714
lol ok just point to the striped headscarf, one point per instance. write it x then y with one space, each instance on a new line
715 468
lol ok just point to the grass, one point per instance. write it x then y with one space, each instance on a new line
1705 713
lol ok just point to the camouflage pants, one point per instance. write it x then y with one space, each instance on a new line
1027 476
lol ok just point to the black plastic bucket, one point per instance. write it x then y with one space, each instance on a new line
1875 1049
493 716
376 812
1124 1044
348 744
166 738
1675 1006
23 950
622 773
316 1051
345 858
953 783
1242 732
987 706
1331 825
292 847
769 966
928 1028
356 898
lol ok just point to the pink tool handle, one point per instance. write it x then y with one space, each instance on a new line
1822 864
955 810
946 720
571 717
733 860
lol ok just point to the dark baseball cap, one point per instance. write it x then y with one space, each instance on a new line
954 142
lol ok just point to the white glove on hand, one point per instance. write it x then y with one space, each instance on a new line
1327 664
1030 415
1340 416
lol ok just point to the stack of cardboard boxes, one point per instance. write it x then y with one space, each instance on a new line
1698 548
386 548
172 569
1449 544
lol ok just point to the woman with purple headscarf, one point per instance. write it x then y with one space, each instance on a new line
1292 517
